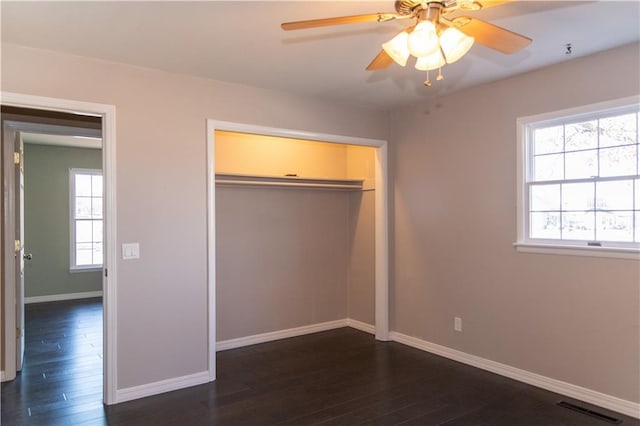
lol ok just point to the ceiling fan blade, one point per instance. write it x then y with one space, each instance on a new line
354 19
381 61
492 36
480 4
492 3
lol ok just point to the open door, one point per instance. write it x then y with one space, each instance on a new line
20 256
11 250
27 113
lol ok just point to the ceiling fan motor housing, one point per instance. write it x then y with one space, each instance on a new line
408 7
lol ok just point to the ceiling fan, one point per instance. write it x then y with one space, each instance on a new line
434 40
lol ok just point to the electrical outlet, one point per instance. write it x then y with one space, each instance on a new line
457 323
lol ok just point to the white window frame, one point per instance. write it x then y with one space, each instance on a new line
72 219
525 126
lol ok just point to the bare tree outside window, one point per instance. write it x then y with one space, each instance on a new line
582 179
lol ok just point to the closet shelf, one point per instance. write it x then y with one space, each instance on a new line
289 181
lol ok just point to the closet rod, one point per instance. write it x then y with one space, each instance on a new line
289 184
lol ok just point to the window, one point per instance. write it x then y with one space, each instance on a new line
85 191
579 179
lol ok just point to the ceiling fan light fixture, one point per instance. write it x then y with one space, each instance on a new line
438 36
455 44
398 48
430 62
423 40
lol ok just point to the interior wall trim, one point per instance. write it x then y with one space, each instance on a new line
2 376
362 326
610 402
64 296
239 342
155 388
279 334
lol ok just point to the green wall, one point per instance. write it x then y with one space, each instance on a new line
46 219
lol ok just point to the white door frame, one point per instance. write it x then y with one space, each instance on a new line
381 219
109 281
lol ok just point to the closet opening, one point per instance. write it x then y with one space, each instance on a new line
297 238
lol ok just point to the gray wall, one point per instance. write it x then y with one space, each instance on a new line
46 219
161 187
574 319
361 271
281 258
288 257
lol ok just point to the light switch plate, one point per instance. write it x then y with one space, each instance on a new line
130 251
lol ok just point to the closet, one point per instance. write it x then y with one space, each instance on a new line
295 233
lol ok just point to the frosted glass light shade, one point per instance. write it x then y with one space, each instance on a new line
398 48
430 62
455 44
423 40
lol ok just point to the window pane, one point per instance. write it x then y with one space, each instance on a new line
83 185
96 208
581 135
581 164
582 177
545 197
616 195
620 130
548 140
97 254
83 208
614 226
545 225
84 254
577 196
96 185
578 226
621 161
83 231
97 231
548 167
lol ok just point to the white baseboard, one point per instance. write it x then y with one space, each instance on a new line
2 376
280 334
65 296
362 326
613 403
162 386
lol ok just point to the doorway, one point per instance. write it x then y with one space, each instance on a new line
381 218
11 306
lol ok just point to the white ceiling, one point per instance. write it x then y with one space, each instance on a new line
61 140
241 41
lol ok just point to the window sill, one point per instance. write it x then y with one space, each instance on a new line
88 269
610 252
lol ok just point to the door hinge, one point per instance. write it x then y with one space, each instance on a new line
106 272
18 333
17 245
16 158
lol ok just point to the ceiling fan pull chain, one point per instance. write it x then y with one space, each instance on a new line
427 82
440 76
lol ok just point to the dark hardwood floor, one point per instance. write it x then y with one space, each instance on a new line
62 371
339 377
